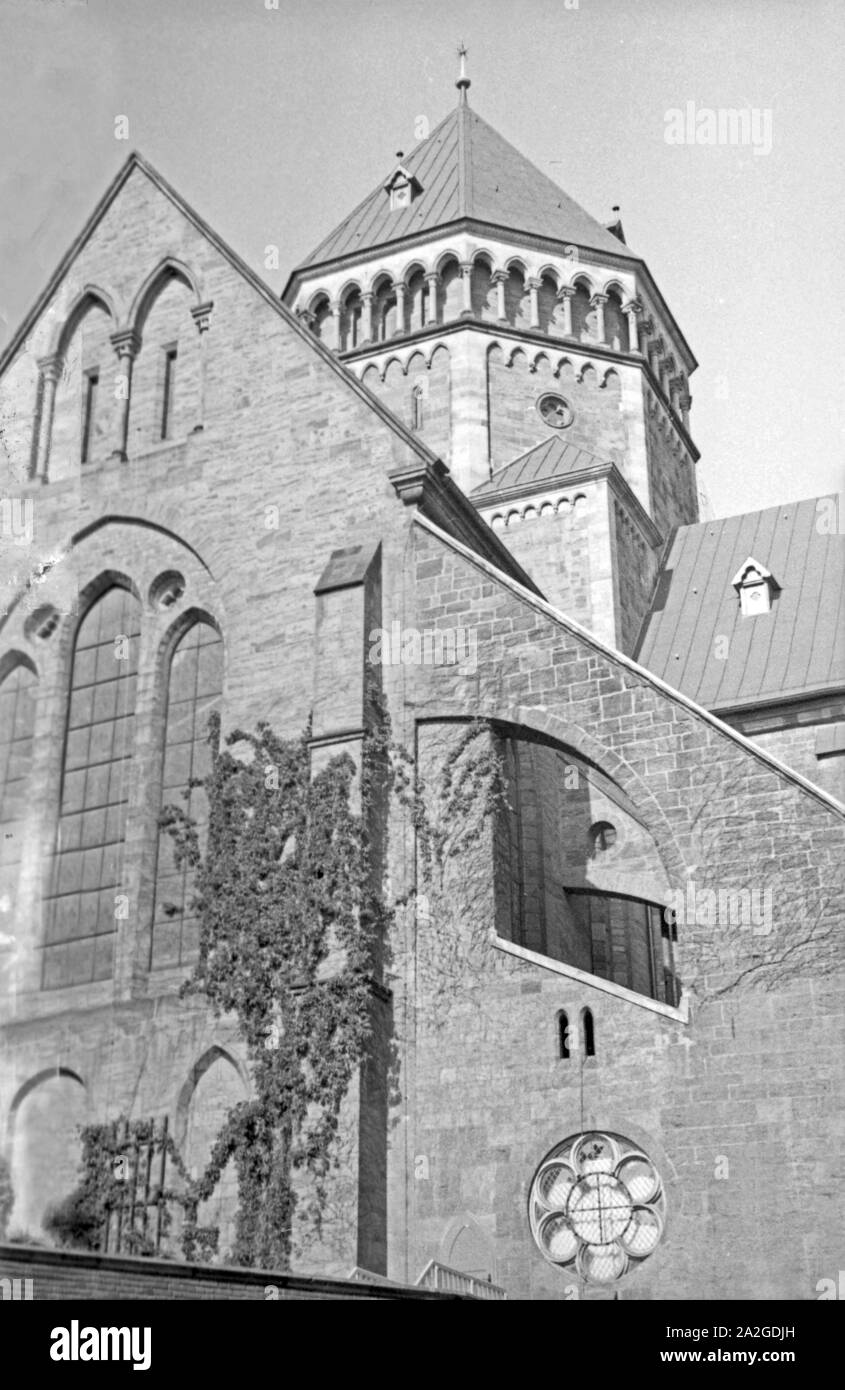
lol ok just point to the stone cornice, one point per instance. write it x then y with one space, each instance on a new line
539 339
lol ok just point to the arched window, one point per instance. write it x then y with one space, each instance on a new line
88 863
589 1032
517 300
580 313
615 323
417 395
194 688
166 372
549 309
449 292
17 722
385 312
563 1034
483 291
84 431
351 321
415 301
320 313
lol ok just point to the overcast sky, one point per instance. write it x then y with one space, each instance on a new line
274 123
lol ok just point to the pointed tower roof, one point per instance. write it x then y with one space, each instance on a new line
467 171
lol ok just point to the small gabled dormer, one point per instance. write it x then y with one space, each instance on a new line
402 188
756 587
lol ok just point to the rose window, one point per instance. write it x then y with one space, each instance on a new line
597 1206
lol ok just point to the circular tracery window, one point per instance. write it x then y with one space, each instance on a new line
597 1206
555 411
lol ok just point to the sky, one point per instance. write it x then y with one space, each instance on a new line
274 122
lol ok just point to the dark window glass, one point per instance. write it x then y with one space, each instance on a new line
168 394
88 863
631 943
194 688
17 721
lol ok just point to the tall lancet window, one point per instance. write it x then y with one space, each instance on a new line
17 724
87 891
194 688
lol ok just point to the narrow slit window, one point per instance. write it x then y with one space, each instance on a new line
89 410
589 1033
168 392
563 1035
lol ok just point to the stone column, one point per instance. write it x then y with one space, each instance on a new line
632 311
466 286
127 344
565 297
50 369
367 297
499 279
201 314
598 302
432 280
534 301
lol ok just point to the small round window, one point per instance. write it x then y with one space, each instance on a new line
597 1207
556 412
602 837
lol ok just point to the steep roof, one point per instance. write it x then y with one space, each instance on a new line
468 170
796 649
551 458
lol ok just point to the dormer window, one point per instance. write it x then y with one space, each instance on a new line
756 587
402 188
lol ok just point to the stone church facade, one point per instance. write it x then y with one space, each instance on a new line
466 419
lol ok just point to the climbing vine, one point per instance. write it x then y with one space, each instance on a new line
289 907
287 890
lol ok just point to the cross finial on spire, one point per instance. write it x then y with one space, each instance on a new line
463 81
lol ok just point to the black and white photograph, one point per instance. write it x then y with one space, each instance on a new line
422 671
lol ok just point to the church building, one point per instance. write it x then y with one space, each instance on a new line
453 463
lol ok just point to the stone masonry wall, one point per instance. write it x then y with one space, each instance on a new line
291 463
736 1106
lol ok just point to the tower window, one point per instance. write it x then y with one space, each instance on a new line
168 392
89 410
589 1032
555 411
417 408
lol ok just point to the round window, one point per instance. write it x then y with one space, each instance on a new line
597 1207
602 837
555 411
